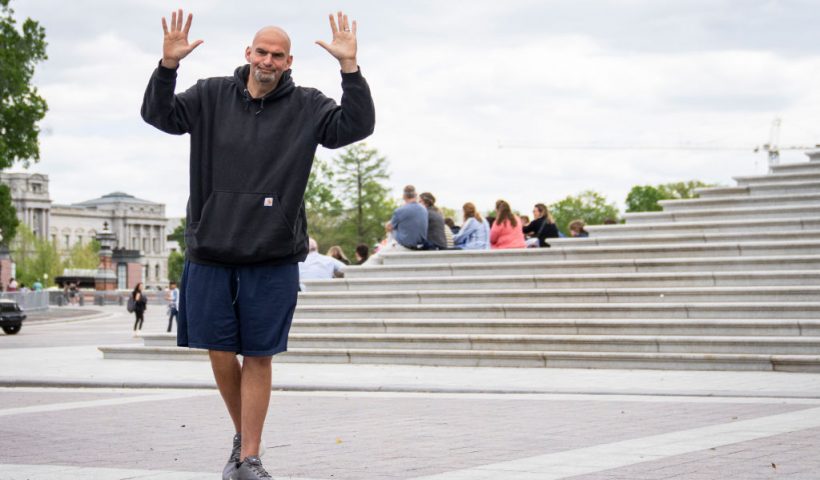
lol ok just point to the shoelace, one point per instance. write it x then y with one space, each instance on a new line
258 469
237 448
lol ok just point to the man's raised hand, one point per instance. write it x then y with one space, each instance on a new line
343 45
175 44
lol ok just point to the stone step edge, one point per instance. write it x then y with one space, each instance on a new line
618 262
788 165
573 305
752 223
746 190
543 355
591 323
556 338
739 198
752 289
774 177
685 238
751 210
590 249
571 276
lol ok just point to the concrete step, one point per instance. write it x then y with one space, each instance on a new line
575 343
544 295
727 310
796 167
606 252
774 188
485 358
723 214
533 326
802 176
604 280
743 201
749 226
651 238
621 266
565 343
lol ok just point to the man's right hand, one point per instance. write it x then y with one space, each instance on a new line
175 44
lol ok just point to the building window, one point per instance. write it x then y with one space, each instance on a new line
54 239
67 240
80 240
134 243
122 276
36 187
156 272
156 245
145 271
145 245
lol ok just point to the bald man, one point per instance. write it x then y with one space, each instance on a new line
253 138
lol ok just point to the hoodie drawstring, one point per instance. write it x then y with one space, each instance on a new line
249 100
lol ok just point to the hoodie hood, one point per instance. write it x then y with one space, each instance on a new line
284 87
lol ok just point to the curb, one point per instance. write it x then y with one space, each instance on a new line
95 315
386 389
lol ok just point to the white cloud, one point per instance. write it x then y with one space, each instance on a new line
451 80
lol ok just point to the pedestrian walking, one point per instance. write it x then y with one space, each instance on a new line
253 139
140 304
173 304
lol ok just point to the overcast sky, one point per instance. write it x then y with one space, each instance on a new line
452 82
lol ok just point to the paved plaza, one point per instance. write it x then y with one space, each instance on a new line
65 413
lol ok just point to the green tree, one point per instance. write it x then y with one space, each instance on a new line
176 261
20 105
35 257
8 216
324 209
179 234
645 198
319 195
589 206
83 256
366 199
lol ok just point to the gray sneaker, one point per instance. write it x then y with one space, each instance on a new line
251 469
229 471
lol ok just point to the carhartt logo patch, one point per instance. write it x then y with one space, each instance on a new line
268 201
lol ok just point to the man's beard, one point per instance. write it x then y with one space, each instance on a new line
262 77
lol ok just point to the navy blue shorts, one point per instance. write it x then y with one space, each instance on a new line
247 310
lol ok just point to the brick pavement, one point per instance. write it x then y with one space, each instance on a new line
791 455
108 434
366 436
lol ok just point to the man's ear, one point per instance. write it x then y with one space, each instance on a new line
248 54
290 60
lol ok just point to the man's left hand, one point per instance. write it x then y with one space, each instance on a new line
343 46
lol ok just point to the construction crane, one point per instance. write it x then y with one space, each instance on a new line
773 148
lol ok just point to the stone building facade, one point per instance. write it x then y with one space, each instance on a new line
139 225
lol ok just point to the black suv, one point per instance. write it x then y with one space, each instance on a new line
11 316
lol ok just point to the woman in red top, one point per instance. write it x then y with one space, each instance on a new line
506 231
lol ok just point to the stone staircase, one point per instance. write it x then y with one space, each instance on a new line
728 281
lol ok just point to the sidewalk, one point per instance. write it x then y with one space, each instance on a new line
83 366
366 422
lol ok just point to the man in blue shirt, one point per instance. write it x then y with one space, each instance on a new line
409 222
407 228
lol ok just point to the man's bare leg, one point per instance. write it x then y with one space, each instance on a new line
256 385
228 375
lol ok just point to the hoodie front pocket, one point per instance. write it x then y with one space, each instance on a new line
241 228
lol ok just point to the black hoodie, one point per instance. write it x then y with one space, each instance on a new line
251 158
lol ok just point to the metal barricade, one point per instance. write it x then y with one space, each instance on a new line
28 301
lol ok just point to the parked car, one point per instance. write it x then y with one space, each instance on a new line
11 316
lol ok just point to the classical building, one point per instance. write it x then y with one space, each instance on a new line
139 225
